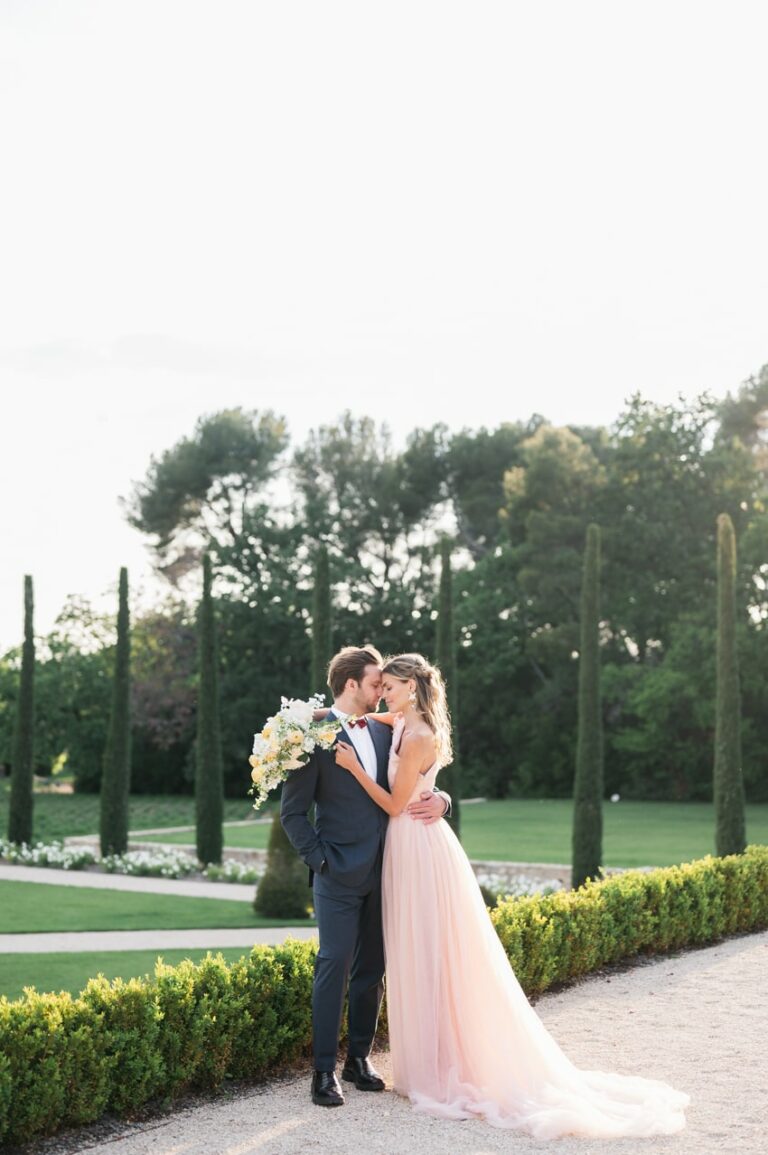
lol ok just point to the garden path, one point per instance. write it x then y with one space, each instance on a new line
697 1019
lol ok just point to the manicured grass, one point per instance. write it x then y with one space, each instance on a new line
62 815
251 837
635 833
27 907
530 830
70 972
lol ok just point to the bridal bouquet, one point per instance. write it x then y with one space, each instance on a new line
285 742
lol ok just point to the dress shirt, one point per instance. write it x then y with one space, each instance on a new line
360 737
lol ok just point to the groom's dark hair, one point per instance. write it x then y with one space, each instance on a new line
351 662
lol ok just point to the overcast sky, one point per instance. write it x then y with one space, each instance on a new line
463 212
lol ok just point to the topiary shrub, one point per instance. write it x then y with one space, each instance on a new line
283 891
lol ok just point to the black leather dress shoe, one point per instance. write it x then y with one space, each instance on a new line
361 1073
326 1089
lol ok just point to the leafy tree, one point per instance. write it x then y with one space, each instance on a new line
728 780
446 660
655 482
209 794
116 780
588 784
321 622
744 417
667 478
20 815
209 490
374 504
659 734
476 462
164 692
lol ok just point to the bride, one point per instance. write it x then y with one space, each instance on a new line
464 1039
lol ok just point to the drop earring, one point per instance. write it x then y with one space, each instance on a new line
412 697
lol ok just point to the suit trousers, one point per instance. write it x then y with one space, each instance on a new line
351 952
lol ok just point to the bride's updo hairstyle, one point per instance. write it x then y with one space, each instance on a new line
431 701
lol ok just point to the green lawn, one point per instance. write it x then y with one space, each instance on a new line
530 830
70 972
255 837
635 833
62 815
27 907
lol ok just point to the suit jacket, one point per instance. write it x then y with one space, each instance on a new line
349 829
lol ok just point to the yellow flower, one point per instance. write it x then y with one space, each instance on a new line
296 738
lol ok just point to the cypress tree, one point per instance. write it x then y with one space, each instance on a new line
321 622
730 837
588 784
209 786
116 777
21 803
282 891
445 645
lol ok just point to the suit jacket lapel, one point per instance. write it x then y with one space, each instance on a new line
381 746
344 736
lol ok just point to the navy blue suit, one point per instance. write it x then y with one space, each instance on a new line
343 851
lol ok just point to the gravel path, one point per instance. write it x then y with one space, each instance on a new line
83 941
698 1020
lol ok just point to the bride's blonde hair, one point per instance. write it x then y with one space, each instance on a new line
431 700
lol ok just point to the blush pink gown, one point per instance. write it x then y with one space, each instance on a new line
464 1039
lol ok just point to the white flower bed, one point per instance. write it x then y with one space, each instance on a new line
168 863
160 863
54 854
517 886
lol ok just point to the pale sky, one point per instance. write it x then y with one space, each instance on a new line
465 212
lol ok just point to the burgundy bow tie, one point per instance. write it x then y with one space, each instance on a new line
359 722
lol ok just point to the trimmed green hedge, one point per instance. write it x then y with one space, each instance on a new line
65 1062
560 936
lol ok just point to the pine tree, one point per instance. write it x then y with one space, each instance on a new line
116 777
321 622
728 780
282 891
588 783
209 786
22 780
445 645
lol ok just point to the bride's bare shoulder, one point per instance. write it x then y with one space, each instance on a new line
419 737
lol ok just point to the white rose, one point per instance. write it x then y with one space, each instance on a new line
259 745
297 711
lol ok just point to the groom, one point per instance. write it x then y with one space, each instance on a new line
343 851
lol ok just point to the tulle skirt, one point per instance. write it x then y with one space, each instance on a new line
464 1039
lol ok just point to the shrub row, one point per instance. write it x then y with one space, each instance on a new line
65 1061
557 937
